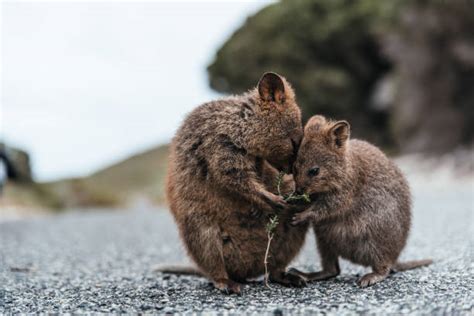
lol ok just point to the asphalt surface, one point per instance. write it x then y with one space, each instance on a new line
99 261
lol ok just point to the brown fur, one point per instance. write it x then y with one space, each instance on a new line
361 201
221 179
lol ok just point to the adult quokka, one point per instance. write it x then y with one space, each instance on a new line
221 184
360 202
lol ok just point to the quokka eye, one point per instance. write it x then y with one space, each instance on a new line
313 172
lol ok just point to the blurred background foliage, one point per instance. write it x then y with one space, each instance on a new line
402 73
137 179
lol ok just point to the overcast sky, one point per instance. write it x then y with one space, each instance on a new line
87 84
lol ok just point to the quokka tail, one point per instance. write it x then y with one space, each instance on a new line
178 269
408 265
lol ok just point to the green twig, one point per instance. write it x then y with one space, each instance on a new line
292 196
279 182
273 223
296 197
270 228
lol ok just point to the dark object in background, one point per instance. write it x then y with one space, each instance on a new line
7 171
340 55
17 164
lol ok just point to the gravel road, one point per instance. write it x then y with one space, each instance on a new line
103 262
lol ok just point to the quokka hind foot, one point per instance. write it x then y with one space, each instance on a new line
227 286
322 275
288 279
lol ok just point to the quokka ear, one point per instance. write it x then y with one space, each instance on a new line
272 88
315 123
340 133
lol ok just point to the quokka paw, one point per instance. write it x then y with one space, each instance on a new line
370 279
228 287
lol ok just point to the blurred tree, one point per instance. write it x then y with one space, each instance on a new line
355 60
17 163
431 45
324 48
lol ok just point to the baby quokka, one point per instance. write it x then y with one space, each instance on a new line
360 202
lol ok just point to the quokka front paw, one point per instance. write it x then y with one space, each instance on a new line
273 201
301 218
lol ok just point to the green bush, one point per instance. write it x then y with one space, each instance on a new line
325 48
340 55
